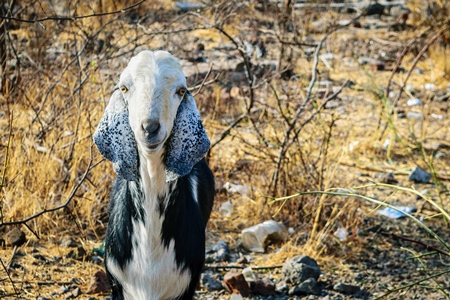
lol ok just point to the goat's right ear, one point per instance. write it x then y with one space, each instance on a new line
115 140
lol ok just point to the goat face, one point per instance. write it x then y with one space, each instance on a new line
153 85
152 115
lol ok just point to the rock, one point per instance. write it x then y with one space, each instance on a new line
242 260
307 287
282 287
385 178
78 254
68 242
236 297
211 283
263 287
62 290
300 268
235 283
419 176
219 252
73 294
16 237
99 283
346 288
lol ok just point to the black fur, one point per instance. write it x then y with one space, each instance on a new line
184 222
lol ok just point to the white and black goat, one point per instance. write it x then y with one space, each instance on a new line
163 192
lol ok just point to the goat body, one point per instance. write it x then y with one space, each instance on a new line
163 194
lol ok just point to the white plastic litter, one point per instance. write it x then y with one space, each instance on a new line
398 212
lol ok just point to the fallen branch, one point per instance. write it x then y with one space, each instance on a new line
59 18
418 242
242 267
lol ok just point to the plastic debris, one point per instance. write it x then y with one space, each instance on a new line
429 87
414 102
414 115
226 208
256 238
341 233
236 188
398 212
248 275
436 116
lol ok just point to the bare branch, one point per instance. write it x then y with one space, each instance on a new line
59 18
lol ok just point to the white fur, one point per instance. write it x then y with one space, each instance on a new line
152 80
194 185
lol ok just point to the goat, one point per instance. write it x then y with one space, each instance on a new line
163 193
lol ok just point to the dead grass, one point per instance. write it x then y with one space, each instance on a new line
64 85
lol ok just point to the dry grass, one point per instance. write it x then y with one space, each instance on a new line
51 108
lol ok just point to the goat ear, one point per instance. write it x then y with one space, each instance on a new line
188 143
115 139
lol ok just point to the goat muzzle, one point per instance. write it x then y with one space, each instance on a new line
151 129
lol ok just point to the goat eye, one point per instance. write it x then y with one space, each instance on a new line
181 91
124 89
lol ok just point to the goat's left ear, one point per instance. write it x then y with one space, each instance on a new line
114 138
188 143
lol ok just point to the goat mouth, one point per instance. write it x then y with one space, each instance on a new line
156 145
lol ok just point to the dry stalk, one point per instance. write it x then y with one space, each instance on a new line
60 18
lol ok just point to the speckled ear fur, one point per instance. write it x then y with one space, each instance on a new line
188 143
115 139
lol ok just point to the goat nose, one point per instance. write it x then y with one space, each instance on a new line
150 126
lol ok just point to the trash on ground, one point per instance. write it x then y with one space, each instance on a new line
397 212
257 237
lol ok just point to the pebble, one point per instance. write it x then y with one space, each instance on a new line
385 178
99 283
68 242
419 176
211 283
299 268
78 254
16 237
307 287
263 287
236 284
346 288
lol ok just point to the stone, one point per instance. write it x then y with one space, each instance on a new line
68 242
219 252
235 283
73 294
419 176
99 283
16 237
346 288
282 287
78 254
307 287
263 287
300 268
236 297
385 178
211 283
